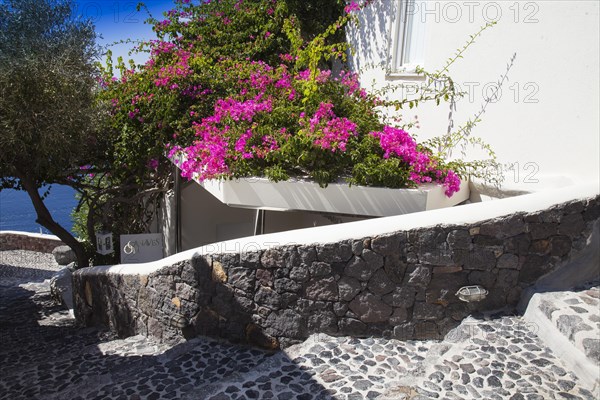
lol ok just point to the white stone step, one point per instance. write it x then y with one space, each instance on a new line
569 324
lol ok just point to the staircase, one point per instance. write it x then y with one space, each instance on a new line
569 324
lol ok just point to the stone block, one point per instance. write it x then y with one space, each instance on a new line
571 225
351 327
264 277
300 273
503 227
402 296
427 311
267 297
273 258
534 266
279 273
64 255
367 243
218 273
374 260
187 292
318 269
308 254
399 316
486 279
359 269
507 278
256 336
322 322
428 238
286 323
334 252
370 308
560 246
340 308
440 296
322 289
418 275
457 311
395 268
488 241
404 331
387 244
542 230
440 255
357 247
551 215
479 258
242 278
250 259
592 211
222 306
517 244
450 269
287 285
348 288
541 246
509 261
459 239
288 300
61 287
304 306
155 328
380 283
573 207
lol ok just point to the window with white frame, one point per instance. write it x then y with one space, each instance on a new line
407 37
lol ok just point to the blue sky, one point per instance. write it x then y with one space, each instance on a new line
118 20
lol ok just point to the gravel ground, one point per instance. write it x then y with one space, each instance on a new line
46 356
18 266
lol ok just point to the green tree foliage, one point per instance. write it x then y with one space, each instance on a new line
47 101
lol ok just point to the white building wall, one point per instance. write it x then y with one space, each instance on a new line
547 119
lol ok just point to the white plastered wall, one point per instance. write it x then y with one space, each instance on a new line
547 118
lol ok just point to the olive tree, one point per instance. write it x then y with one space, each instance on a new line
48 81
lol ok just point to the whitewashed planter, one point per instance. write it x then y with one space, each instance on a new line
260 193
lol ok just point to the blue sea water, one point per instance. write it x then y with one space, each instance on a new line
17 212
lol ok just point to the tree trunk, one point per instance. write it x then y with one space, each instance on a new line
45 219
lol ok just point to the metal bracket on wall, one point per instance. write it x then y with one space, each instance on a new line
259 222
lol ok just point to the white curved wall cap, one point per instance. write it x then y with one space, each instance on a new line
467 214
32 234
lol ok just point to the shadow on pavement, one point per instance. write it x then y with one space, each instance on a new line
45 356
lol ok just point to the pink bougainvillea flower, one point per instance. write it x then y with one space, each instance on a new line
353 6
153 163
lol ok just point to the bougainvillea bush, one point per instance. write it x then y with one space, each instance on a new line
254 99
270 127
238 88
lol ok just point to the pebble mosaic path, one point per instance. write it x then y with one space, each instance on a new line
45 356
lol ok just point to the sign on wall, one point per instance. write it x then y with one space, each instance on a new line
141 248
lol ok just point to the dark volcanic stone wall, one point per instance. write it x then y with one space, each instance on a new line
400 285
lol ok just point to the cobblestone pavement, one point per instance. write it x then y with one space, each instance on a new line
45 356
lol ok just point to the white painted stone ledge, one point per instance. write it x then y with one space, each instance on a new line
461 215
31 234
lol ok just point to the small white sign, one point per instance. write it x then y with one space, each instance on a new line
141 248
